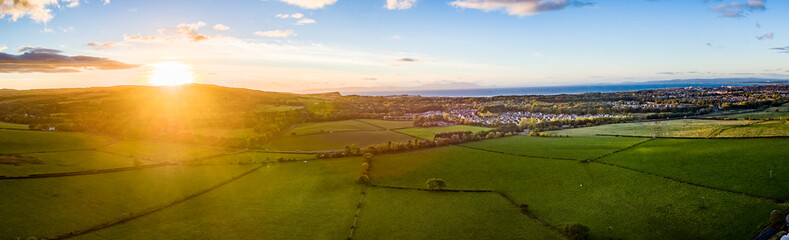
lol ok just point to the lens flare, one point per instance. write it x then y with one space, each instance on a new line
170 74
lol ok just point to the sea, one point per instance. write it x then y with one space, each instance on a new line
489 92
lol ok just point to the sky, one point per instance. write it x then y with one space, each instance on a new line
291 45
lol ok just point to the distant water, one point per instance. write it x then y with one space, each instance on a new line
488 92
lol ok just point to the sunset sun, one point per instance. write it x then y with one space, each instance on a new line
170 74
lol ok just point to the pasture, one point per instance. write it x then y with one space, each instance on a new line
674 128
741 165
334 126
762 129
23 141
780 112
429 133
225 132
72 161
254 158
388 124
49 207
13 125
334 141
578 148
613 202
161 152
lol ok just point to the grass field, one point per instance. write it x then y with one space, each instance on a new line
254 157
18 141
314 200
613 202
73 161
335 126
225 132
51 206
781 112
673 128
768 128
558 147
406 214
742 165
161 152
429 133
335 141
389 124
13 125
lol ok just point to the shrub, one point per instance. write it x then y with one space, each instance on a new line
576 231
436 184
364 179
777 217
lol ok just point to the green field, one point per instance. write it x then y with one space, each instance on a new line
255 157
335 126
13 125
51 206
225 132
673 128
768 128
335 141
579 148
613 202
73 161
314 200
389 124
160 151
406 214
781 112
429 133
19 141
742 165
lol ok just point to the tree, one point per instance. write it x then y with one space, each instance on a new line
364 179
436 184
576 231
368 157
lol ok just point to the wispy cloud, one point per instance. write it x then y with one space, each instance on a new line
738 9
305 21
3 48
276 33
221 27
781 49
310 4
399 4
44 60
406 60
293 15
518 7
38 10
767 36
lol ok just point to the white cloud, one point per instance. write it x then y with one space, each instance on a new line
71 3
106 2
297 15
275 33
310 4
47 30
221 27
516 7
38 10
399 4
286 16
3 48
305 21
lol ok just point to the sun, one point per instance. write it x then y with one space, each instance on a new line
170 74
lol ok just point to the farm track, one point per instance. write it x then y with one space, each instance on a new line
358 210
499 193
151 210
596 160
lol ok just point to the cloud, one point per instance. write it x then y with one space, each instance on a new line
286 16
738 9
275 33
221 27
406 60
190 30
310 4
37 10
47 30
765 36
183 31
3 48
305 21
399 4
518 7
781 49
105 45
44 60
106 2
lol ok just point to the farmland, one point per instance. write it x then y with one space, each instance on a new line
570 148
335 141
21 141
780 112
13 125
429 133
674 128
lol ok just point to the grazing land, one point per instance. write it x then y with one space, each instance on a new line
336 126
255 158
674 128
225 132
22 141
742 165
73 161
578 148
429 133
39 206
761 129
161 152
13 125
780 112
613 202
335 141
389 124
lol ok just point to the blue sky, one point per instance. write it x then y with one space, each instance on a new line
347 43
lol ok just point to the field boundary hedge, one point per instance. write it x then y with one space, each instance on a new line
518 155
358 209
148 211
665 137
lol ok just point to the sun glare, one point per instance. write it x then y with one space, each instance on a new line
170 73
